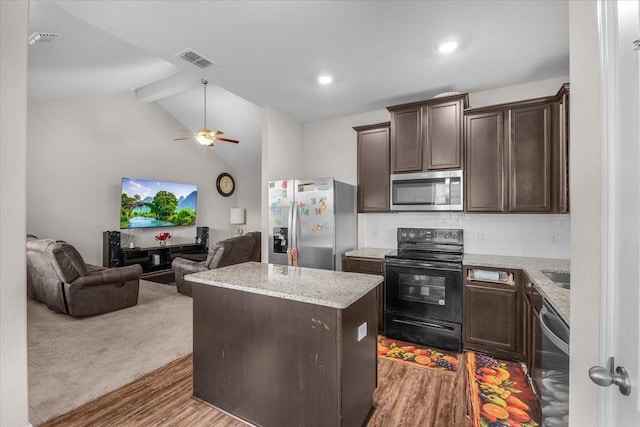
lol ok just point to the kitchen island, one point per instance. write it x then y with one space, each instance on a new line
285 346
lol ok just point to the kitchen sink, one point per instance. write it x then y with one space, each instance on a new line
560 279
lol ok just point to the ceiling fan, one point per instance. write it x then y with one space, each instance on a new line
207 136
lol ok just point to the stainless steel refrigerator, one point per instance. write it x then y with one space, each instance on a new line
313 220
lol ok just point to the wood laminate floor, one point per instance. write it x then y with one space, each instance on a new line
406 396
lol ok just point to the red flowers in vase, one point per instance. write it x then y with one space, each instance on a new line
162 238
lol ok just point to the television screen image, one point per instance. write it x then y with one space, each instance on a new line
150 203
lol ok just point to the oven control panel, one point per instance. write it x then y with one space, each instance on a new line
432 235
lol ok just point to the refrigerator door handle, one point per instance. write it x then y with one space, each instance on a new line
292 233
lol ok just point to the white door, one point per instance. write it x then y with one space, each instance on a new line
620 27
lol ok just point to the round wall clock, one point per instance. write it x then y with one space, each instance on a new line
225 184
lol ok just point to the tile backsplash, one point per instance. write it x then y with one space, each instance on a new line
541 236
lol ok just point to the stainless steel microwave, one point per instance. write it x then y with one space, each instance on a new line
427 191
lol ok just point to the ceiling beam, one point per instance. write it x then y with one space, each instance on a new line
172 85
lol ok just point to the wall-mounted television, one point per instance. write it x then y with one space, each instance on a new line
150 203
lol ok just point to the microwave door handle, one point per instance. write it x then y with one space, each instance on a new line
447 190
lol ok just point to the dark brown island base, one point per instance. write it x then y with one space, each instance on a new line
285 346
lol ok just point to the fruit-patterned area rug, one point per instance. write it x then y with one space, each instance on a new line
499 394
415 355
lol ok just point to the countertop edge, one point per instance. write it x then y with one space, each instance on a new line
375 282
373 253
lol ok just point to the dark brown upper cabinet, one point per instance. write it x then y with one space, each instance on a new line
427 135
530 158
485 162
443 134
517 156
373 167
406 138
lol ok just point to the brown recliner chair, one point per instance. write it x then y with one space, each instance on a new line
231 251
58 276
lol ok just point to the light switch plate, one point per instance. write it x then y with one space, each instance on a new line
362 331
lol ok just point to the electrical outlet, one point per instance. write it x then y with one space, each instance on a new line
480 237
555 238
362 331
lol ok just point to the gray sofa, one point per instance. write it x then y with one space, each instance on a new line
231 251
58 277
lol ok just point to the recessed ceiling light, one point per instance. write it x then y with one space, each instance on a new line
325 80
448 46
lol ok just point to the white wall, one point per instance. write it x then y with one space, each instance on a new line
281 158
80 148
14 405
516 92
330 146
330 150
585 207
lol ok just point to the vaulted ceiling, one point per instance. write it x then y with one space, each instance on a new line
270 53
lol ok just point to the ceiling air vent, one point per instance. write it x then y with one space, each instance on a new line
42 38
193 57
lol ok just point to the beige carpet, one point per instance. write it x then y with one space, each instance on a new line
75 360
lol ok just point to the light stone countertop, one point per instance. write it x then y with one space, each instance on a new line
377 253
328 288
558 297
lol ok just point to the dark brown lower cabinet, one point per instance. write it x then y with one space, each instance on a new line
278 362
369 266
492 312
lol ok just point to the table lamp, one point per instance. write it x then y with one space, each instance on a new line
236 217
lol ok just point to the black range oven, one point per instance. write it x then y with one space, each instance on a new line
423 294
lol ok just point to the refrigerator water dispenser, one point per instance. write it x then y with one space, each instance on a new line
280 245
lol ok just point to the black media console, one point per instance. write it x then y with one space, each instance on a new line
154 260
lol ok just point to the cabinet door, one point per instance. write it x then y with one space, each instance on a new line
484 176
530 159
406 139
443 135
369 266
373 170
490 321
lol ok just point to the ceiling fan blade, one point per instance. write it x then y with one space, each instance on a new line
180 139
228 140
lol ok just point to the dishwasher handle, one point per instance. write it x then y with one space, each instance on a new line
545 318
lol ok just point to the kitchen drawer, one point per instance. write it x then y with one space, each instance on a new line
363 265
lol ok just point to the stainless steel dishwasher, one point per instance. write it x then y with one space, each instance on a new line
555 368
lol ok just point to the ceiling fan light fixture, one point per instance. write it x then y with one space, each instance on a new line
205 136
204 140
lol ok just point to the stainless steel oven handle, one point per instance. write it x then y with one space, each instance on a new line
419 264
546 330
417 323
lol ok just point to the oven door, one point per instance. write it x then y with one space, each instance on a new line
425 289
